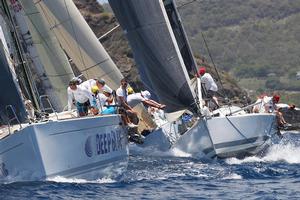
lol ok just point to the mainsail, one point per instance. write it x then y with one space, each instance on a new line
148 29
79 41
10 91
55 70
181 37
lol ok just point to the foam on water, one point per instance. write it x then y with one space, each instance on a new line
233 176
150 151
60 179
288 153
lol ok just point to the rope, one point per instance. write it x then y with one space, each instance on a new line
235 127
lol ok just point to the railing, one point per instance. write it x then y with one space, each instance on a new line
244 108
50 108
10 107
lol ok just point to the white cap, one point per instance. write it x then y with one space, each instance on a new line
107 89
146 94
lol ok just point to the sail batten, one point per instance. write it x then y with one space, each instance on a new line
147 27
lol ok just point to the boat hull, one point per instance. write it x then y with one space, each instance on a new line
88 148
241 135
229 136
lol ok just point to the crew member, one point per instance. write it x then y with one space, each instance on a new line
210 85
267 104
83 98
104 101
129 115
143 97
100 83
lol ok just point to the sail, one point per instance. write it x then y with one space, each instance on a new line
147 27
10 91
79 41
55 71
181 37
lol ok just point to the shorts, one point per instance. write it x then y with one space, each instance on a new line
83 108
210 94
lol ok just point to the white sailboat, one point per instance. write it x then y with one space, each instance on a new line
165 59
61 144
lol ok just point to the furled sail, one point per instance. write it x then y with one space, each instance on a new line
147 27
56 71
10 91
79 41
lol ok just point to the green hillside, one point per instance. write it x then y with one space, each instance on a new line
257 41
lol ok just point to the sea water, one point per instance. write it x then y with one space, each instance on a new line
177 175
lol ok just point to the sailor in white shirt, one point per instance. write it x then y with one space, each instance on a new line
100 83
210 85
207 80
143 97
267 104
104 101
128 114
82 97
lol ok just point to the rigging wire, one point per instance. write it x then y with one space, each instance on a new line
207 48
188 3
211 58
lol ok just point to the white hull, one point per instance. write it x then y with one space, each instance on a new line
232 136
88 148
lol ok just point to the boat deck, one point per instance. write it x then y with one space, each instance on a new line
6 130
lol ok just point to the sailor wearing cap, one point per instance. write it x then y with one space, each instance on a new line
100 83
83 98
104 101
143 97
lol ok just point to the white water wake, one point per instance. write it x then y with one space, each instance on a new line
288 153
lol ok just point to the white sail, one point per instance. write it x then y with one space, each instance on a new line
48 59
79 41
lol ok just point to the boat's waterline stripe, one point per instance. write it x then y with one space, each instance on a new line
241 142
89 167
244 152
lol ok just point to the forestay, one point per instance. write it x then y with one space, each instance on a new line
147 27
79 41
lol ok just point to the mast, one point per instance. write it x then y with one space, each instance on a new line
32 92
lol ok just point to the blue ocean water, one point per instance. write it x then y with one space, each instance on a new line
276 175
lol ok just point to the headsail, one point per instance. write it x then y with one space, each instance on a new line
55 70
79 41
156 52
